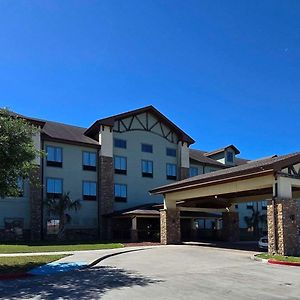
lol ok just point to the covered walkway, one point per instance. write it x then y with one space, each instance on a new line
275 179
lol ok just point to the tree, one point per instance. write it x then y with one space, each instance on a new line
57 207
255 220
17 152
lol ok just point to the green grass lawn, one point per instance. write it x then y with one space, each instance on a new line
279 257
20 264
50 247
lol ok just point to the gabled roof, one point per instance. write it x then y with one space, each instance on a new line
268 165
67 133
92 130
199 156
33 121
61 132
236 150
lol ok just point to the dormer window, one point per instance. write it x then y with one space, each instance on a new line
229 157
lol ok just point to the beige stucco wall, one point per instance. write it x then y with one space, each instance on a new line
73 175
138 186
16 208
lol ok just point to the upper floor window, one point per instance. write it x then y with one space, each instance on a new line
193 171
147 148
229 157
171 152
120 192
171 171
54 156
147 168
89 161
89 190
120 163
54 187
118 143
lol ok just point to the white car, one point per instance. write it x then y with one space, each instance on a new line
263 242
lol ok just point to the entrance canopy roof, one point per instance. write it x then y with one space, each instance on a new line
247 182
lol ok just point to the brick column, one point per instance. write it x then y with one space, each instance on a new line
170 226
231 226
283 233
35 198
106 195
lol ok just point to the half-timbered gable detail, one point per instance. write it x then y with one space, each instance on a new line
146 122
146 119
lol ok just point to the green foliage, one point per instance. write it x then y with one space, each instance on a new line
58 208
279 257
17 152
21 264
255 220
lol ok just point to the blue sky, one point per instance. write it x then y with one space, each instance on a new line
224 71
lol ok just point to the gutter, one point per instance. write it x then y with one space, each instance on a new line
194 184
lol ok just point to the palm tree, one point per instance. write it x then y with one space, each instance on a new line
255 220
57 207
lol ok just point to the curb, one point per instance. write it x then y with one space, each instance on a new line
95 262
275 262
263 260
284 263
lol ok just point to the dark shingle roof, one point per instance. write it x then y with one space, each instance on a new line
269 164
61 132
236 150
66 132
199 156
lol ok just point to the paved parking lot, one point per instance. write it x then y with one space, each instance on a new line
166 272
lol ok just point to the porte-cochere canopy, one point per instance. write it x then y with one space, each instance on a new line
276 179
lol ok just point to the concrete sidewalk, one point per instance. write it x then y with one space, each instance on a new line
85 256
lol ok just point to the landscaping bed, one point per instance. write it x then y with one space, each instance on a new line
279 257
51 247
280 260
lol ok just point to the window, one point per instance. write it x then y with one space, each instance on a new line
250 205
89 161
89 190
20 184
147 148
171 171
193 171
54 187
264 205
120 163
54 156
53 226
147 168
171 152
120 192
229 157
120 143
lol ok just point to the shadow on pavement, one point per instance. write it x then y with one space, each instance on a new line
84 284
243 246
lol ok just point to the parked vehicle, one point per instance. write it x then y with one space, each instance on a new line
263 242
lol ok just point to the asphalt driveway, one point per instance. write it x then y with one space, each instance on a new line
166 272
